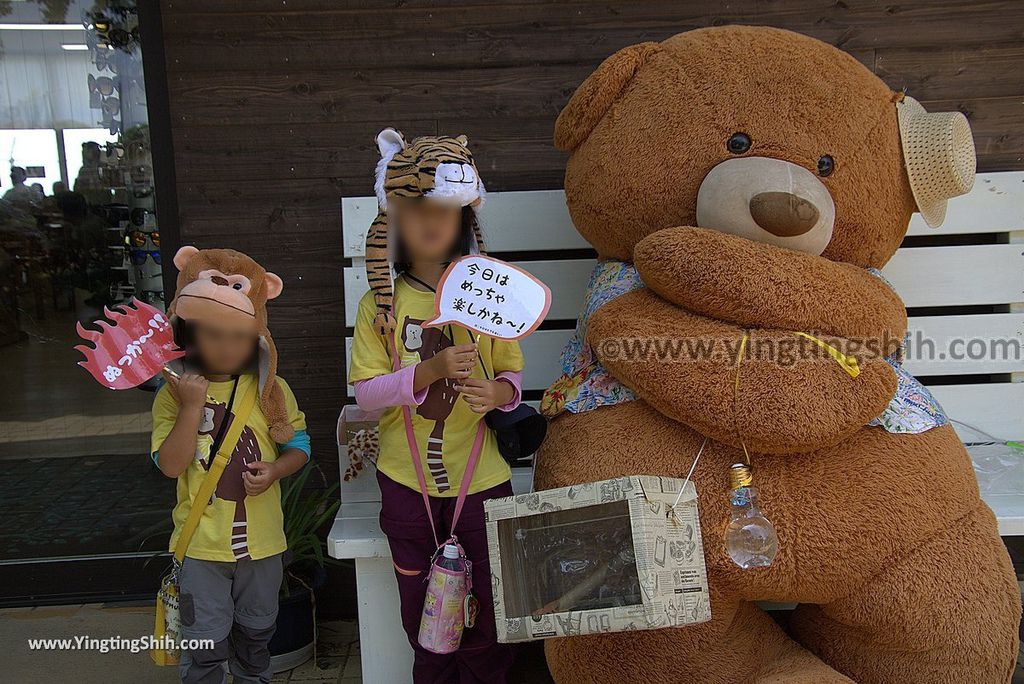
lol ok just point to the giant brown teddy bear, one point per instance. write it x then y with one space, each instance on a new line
884 542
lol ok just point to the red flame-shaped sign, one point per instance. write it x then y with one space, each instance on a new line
132 350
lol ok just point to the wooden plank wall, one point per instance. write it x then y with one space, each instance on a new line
274 105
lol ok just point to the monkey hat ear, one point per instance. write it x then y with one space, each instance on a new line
273 284
183 256
595 96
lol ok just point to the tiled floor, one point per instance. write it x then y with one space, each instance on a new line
337 657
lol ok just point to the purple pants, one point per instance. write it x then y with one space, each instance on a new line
404 520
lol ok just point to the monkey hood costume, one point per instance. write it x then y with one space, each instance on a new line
229 289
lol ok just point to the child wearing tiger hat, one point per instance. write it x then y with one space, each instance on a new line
429 192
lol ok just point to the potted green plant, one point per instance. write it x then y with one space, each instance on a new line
305 513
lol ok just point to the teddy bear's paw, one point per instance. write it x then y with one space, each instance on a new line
787 395
754 284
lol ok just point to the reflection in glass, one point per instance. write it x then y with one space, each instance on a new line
78 232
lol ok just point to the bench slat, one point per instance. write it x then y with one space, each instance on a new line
512 221
542 351
353 536
997 408
539 220
566 278
961 275
923 276
979 347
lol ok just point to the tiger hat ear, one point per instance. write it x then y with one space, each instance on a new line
595 95
390 142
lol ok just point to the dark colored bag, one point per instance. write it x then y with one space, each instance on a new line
519 432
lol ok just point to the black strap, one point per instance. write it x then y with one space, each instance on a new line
228 417
410 276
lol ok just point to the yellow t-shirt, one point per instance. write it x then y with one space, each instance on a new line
444 425
234 525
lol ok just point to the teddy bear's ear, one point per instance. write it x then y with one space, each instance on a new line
595 95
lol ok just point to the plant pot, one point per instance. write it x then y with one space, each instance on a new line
293 641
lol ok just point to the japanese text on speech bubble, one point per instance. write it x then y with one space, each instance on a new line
491 297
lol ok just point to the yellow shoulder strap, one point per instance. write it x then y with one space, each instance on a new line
220 461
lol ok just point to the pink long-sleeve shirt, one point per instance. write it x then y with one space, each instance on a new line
396 389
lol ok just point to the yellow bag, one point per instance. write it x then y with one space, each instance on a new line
167 630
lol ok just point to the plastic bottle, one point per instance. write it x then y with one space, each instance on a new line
443 617
450 558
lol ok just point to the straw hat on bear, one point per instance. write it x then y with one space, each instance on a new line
939 154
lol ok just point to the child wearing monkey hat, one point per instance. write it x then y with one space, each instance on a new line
229 544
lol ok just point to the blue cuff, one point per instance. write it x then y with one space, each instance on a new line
300 441
156 458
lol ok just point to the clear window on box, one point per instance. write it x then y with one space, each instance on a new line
574 559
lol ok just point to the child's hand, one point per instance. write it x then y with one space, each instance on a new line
455 362
192 390
259 477
485 395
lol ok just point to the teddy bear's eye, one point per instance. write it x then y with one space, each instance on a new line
738 143
237 286
826 165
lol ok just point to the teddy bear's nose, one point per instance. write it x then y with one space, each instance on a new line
783 213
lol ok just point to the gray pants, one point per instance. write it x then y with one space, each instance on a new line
235 605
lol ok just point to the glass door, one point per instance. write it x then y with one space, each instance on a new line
78 234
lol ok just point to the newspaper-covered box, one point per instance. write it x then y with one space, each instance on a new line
599 557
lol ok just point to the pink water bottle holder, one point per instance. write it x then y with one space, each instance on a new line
448 606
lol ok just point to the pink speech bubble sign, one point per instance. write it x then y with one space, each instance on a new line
491 297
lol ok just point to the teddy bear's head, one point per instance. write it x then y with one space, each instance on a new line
760 132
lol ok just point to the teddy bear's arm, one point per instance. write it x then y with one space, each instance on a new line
754 284
791 398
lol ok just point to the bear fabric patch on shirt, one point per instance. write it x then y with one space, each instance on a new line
441 395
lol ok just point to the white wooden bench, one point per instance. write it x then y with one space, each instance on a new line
947 273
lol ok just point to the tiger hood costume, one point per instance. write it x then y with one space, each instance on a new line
436 168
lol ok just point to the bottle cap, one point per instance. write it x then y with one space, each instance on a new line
740 476
451 551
